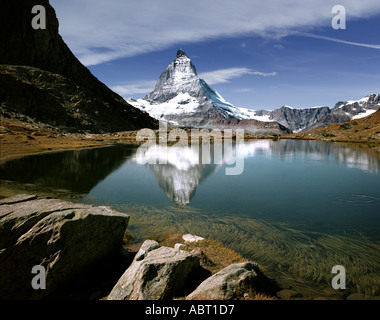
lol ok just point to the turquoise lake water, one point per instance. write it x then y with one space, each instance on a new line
318 188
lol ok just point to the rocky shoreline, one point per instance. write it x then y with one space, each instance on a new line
73 242
86 253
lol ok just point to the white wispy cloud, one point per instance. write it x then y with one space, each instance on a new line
243 90
135 88
104 30
366 45
225 75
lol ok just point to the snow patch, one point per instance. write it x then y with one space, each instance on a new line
363 114
316 107
182 103
361 101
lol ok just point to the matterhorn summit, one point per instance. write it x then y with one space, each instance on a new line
180 77
181 98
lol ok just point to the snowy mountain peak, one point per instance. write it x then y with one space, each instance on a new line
180 76
181 53
181 98
180 79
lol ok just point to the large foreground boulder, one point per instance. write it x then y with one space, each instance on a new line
159 273
228 282
66 239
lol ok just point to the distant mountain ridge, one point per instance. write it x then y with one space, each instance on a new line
305 119
364 129
31 60
344 111
300 120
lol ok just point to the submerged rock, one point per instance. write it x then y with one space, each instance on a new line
65 238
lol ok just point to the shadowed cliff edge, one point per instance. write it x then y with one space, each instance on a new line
41 80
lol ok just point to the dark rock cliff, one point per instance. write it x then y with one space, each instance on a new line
100 110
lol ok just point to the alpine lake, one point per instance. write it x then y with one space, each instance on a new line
298 208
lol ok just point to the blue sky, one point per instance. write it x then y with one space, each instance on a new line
256 54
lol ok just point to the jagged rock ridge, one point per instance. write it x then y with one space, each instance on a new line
344 111
306 119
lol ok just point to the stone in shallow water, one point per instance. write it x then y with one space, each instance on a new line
191 238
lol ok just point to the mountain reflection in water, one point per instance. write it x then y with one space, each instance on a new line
181 169
184 171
